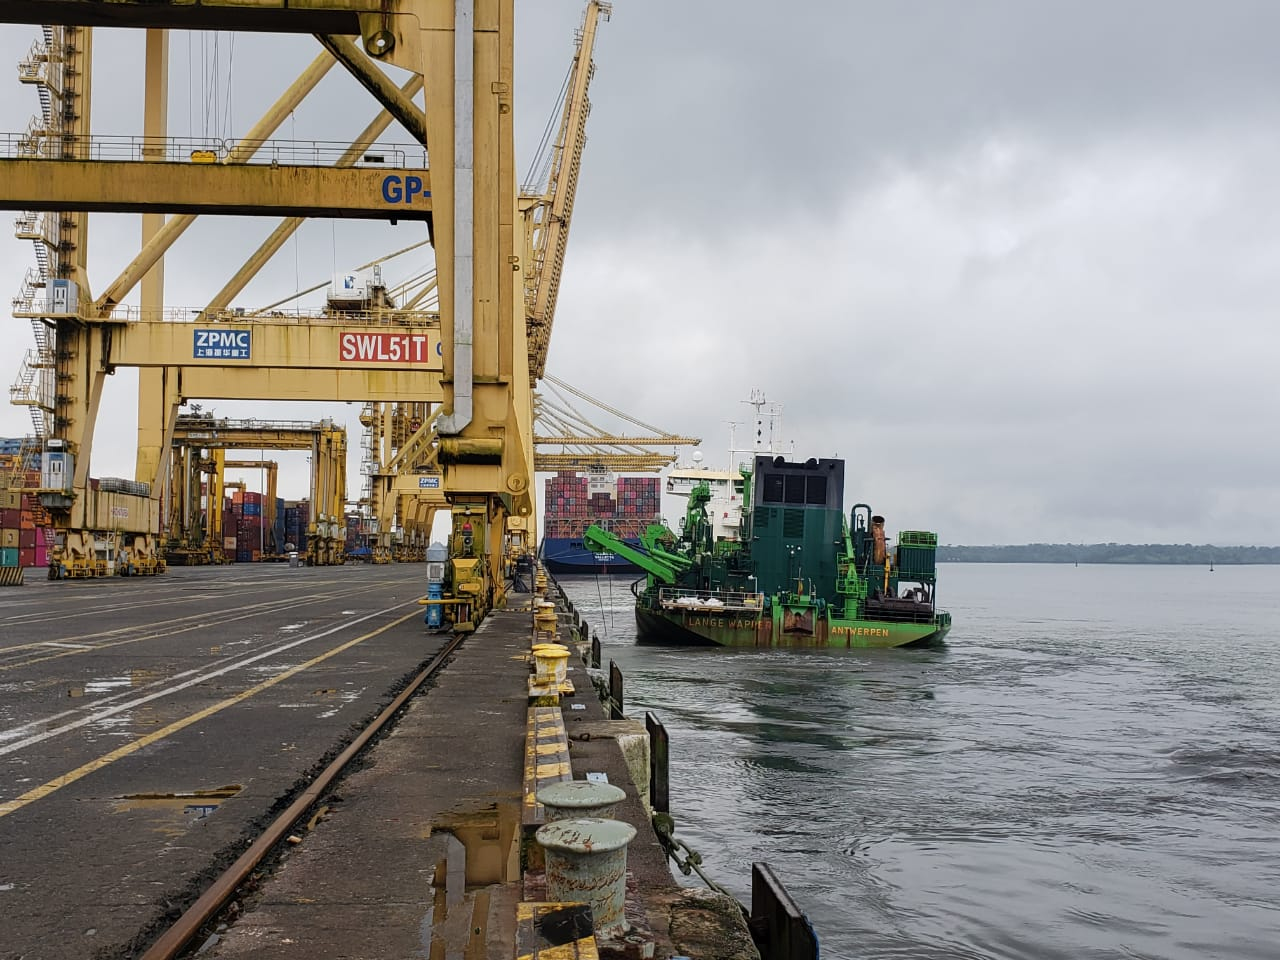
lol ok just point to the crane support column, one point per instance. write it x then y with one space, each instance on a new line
158 388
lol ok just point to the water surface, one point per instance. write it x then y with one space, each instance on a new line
1089 769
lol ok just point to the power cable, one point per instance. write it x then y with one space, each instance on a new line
547 134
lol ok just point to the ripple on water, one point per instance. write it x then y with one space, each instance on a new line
1074 776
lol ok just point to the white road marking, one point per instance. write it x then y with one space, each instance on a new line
100 715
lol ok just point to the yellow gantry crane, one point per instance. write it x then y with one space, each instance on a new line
200 443
547 211
471 361
401 464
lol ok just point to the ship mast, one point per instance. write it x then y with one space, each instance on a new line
768 429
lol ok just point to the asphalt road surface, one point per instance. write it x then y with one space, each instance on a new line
147 726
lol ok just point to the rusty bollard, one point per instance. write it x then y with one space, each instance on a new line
587 863
573 799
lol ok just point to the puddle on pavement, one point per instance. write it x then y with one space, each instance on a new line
491 840
344 698
101 685
174 811
107 684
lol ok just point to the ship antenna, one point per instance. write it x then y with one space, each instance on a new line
773 411
733 442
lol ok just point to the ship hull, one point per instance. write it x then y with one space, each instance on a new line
568 557
736 629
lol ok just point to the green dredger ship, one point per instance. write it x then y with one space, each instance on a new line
801 574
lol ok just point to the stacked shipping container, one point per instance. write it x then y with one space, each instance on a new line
247 537
571 507
25 534
361 536
297 517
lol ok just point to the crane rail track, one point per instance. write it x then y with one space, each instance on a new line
186 927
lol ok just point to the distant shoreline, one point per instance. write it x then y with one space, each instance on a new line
1113 553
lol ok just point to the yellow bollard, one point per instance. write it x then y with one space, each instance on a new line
544 621
551 662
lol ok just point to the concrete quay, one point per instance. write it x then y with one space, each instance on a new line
427 849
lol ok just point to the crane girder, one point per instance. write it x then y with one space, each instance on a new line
329 343
352 386
220 434
275 16
554 462
256 189
662 441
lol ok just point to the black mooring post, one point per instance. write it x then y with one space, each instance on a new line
615 692
595 651
659 765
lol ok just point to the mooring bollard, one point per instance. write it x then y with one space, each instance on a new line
551 662
544 620
574 799
587 863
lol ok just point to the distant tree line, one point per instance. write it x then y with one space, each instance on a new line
1109 553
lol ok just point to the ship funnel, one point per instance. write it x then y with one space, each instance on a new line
877 539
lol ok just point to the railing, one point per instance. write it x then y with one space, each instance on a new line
26 304
208 150
32 385
24 225
682 598
192 423
30 69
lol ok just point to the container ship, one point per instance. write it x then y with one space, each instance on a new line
624 506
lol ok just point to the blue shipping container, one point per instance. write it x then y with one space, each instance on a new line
8 557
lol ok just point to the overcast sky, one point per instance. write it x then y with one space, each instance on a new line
1017 263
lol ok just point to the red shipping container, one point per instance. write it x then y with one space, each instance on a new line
27 558
43 536
42 556
27 539
9 519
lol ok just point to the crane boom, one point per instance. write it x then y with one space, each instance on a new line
547 217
